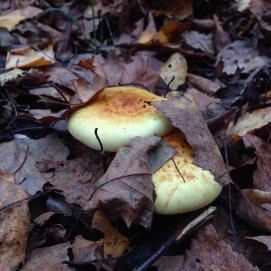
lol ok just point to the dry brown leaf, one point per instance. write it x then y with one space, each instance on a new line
114 243
75 177
126 189
48 258
174 71
209 252
39 114
203 84
28 57
249 122
10 20
264 239
24 152
14 226
255 208
185 115
143 69
262 175
169 263
10 76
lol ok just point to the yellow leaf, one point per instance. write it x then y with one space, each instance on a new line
10 20
30 58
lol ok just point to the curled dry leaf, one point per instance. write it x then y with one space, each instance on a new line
114 243
48 258
174 71
10 76
24 152
28 57
185 115
10 20
126 189
210 252
249 122
262 175
239 56
14 226
255 208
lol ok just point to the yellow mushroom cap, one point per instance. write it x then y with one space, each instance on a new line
189 189
120 114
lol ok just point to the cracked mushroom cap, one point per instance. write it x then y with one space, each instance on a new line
180 185
119 114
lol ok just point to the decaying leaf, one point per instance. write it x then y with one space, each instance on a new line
75 177
172 263
262 175
10 76
249 122
126 189
209 252
24 152
185 115
48 258
10 20
255 208
174 71
28 57
114 243
199 41
14 226
239 56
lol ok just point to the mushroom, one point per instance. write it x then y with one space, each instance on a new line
124 112
120 114
180 185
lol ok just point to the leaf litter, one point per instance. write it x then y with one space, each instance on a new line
66 207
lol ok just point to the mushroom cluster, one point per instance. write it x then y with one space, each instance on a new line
122 113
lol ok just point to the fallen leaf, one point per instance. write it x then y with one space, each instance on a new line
48 258
255 208
185 115
14 226
199 41
143 69
114 243
239 56
262 175
10 20
7 40
75 177
126 189
209 251
24 152
150 33
10 76
86 250
204 84
249 123
170 263
174 71
264 239
28 57
40 114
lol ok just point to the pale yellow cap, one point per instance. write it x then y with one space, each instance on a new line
120 114
189 189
